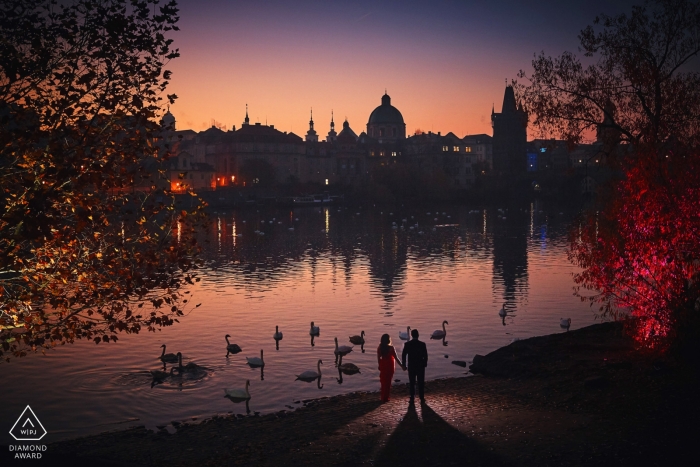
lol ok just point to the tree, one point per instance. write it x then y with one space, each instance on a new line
81 252
635 78
640 253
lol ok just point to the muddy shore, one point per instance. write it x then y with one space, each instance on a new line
584 397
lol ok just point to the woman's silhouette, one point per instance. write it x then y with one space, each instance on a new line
386 356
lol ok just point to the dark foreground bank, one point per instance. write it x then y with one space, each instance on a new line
579 398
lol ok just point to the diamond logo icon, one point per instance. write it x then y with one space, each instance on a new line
28 427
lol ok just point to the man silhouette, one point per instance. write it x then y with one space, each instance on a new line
417 355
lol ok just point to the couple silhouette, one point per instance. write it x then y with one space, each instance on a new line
417 354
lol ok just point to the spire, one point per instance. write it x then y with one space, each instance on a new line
509 105
247 120
332 135
311 134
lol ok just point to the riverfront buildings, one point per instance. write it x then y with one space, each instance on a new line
261 155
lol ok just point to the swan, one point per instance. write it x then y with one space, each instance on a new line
191 366
310 375
233 348
167 357
255 361
348 368
343 349
404 336
277 335
159 375
502 312
440 334
358 340
315 330
242 394
565 323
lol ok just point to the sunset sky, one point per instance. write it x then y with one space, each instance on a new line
444 63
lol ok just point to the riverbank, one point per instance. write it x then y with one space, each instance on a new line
579 398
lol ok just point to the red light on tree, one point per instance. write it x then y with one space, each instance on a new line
642 253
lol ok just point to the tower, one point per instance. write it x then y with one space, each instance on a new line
509 136
311 135
332 135
247 120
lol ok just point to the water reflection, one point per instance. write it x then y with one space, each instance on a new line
510 278
367 272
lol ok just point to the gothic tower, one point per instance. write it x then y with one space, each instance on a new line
509 137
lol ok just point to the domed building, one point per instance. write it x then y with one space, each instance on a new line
168 121
386 122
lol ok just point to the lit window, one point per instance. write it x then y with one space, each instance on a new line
326 181
468 148
455 149
445 148
393 154
381 154
371 153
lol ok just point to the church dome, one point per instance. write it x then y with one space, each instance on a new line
386 113
386 122
168 121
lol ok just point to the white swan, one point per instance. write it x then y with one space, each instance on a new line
255 361
565 323
343 349
310 375
233 348
358 340
315 330
440 334
167 357
277 335
241 394
348 368
404 336
502 312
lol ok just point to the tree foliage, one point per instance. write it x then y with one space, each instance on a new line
634 76
81 248
642 253
639 254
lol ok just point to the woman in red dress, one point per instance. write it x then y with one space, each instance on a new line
386 356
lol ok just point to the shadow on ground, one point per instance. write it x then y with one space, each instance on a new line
433 441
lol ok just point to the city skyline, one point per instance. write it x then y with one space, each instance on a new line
444 66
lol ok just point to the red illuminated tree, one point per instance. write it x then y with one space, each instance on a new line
86 229
641 254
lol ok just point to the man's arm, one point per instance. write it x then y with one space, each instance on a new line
403 354
425 354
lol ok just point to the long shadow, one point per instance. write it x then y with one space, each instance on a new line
433 441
